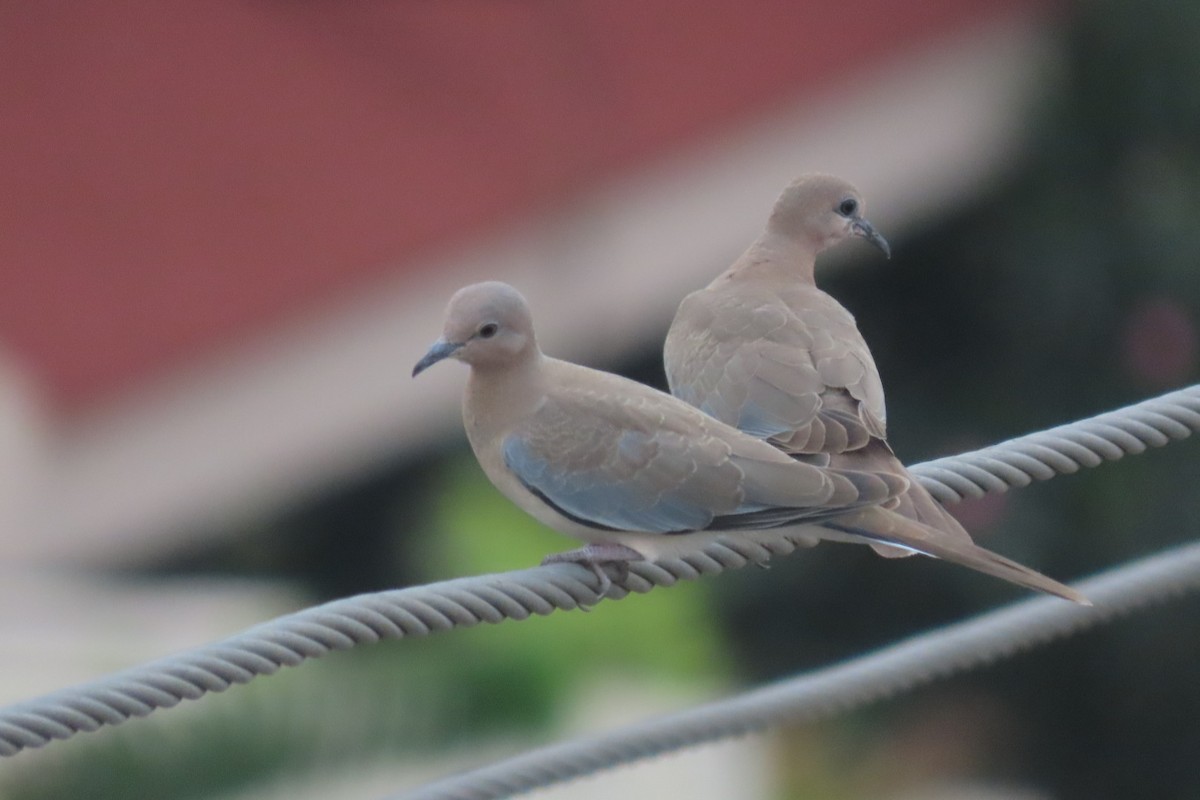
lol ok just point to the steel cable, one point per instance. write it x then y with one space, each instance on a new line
420 610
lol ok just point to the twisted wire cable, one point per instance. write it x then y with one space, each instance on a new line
833 690
1063 450
416 611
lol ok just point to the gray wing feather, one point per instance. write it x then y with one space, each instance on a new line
794 370
639 461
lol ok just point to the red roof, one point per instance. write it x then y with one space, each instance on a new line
179 175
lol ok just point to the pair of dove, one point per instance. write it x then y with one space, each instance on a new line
776 425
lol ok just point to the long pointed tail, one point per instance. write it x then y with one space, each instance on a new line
882 525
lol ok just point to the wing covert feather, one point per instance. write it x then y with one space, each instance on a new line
628 458
791 368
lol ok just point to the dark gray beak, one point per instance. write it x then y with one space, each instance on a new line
440 349
860 227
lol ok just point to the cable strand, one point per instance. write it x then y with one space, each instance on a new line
825 692
1063 450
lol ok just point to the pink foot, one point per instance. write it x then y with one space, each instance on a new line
593 556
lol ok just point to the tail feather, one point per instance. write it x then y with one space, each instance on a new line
915 503
879 525
914 522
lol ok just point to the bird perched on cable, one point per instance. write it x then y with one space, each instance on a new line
763 349
630 470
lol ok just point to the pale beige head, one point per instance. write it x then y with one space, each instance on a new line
822 210
486 324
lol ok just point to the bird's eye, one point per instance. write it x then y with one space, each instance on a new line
488 330
847 207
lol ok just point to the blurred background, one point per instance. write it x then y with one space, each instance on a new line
228 230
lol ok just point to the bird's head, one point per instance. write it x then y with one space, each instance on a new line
823 210
486 324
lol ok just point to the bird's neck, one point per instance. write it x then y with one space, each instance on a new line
774 256
497 397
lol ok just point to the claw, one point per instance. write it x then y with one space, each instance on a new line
594 556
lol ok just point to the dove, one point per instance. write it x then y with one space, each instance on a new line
633 472
763 349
